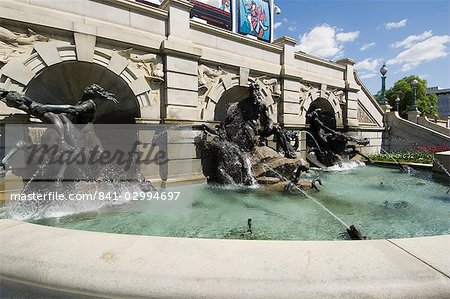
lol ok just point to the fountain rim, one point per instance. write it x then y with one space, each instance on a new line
106 264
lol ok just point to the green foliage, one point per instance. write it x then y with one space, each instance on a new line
414 157
420 154
403 89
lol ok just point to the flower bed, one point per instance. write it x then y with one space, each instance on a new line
420 154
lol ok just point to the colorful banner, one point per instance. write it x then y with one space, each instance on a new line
214 12
255 18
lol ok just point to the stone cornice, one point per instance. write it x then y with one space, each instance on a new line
178 3
134 6
180 47
235 36
365 127
318 60
285 40
288 72
345 61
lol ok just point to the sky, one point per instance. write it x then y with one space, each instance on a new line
411 37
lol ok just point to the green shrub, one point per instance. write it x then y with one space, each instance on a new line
414 157
420 154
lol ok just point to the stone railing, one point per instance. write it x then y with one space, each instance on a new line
426 122
402 134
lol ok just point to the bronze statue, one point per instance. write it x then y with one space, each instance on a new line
240 141
330 145
249 119
66 133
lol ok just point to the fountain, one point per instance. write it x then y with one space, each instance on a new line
69 149
327 146
236 151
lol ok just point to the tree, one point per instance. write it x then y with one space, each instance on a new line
426 103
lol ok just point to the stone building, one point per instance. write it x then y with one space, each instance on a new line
166 68
443 100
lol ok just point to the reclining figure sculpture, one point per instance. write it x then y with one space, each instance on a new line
71 127
61 116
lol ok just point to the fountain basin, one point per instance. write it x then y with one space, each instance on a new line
102 264
383 202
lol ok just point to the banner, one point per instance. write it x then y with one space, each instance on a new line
214 12
255 18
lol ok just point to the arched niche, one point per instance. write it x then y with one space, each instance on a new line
229 90
232 95
57 74
63 83
326 114
313 97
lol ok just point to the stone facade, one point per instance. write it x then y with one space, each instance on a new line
172 69
443 101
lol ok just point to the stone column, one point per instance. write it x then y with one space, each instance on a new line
351 94
180 103
386 108
413 116
289 106
181 83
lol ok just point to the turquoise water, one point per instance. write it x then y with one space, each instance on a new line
382 202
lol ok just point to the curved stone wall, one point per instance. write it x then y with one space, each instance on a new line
110 265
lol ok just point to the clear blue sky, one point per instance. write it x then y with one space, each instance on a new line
412 37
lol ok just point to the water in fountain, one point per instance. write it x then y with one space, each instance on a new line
439 164
71 156
312 198
404 168
404 206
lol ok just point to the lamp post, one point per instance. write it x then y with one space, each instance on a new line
414 86
382 100
397 104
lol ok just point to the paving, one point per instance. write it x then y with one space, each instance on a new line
112 265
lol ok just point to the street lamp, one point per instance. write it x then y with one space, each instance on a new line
414 85
277 10
382 100
397 104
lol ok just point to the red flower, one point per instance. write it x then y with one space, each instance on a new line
433 149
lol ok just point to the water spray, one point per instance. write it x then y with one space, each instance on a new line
249 231
402 167
249 225
443 168
354 233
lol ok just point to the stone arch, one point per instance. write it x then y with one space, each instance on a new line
228 90
326 115
230 96
325 98
19 74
